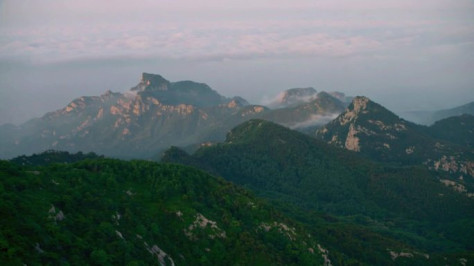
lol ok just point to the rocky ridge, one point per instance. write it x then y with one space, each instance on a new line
150 117
368 128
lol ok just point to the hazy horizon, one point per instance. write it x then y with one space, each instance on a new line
405 55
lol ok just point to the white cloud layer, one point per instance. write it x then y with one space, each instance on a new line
250 48
49 31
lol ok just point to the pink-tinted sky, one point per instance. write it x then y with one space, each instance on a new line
404 54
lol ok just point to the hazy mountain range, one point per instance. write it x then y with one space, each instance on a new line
429 117
156 114
315 178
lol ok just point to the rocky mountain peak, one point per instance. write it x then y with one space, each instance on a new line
176 93
289 94
360 103
362 122
297 95
371 129
152 82
292 97
352 112
362 106
324 103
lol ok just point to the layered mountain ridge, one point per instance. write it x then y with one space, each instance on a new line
430 117
354 178
149 118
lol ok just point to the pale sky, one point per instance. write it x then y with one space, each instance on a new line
406 55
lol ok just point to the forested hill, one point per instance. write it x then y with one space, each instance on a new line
111 212
411 204
456 129
279 162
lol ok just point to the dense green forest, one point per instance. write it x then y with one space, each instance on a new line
302 175
111 212
268 195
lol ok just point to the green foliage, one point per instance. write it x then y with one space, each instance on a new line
389 206
111 212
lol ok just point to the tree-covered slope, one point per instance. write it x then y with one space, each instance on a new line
111 212
288 167
276 160
456 129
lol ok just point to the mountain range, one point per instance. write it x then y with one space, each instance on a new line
153 115
430 117
315 178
